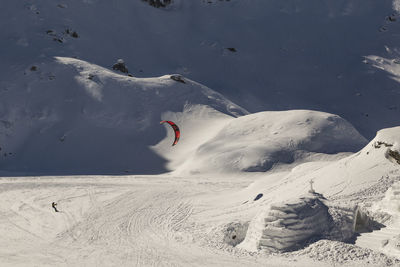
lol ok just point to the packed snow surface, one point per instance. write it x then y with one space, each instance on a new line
179 220
234 186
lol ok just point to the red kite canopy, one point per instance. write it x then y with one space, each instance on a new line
176 130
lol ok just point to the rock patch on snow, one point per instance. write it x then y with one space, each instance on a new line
388 141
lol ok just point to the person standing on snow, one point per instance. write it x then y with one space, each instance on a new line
54 205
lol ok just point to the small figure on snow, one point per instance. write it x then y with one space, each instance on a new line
54 205
120 65
312 191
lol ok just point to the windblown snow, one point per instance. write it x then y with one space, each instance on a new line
278 103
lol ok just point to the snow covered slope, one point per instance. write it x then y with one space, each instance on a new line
258 141
180 220
75 117
371 168
366 179
264 55
63 111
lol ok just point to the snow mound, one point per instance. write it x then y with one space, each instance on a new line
258 141
73 117
289 225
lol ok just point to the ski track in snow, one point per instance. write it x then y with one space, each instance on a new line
129 221
110 223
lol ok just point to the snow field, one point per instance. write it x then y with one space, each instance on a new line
63 111
179 220
128 221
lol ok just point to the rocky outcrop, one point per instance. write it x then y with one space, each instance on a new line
158 3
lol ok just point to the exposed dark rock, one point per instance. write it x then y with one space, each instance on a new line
58 40
378 144
74 34
232 49
177 78
395 155
120 66
71 33
158 3
383 29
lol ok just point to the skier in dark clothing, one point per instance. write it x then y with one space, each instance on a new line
54 205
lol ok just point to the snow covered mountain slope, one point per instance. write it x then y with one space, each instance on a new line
180 220
258 141
74 117
264 55
164 219
63 111
367 168
361 178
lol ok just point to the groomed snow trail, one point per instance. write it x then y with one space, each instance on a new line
114 221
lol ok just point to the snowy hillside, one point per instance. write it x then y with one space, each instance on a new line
289 149
259 141
263 55
76 117
211 220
